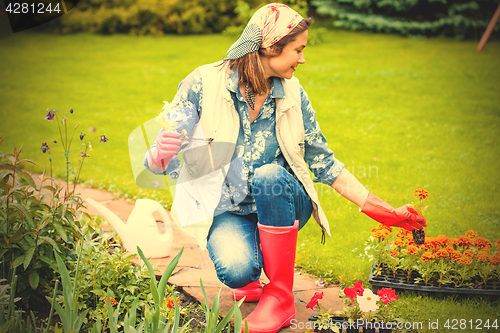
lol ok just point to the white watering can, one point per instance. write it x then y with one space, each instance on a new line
141 228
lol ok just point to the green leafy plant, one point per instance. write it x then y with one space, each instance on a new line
30 229
69 313
105 269
212 323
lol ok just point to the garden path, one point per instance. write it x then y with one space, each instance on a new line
195 264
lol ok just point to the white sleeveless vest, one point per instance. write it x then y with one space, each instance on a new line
196 198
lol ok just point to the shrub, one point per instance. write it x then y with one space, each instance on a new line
454 18
30 229
147 17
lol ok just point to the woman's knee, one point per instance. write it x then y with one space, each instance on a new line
236 274
269 179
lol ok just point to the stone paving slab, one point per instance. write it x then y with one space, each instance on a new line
195 264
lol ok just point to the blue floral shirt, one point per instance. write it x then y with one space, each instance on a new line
257 143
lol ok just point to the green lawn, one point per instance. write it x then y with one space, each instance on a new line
401 113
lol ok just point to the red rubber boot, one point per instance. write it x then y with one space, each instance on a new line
276 307
251 292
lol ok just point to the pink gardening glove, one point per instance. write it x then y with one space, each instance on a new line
402 217
167 146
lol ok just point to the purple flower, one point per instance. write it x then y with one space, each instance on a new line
50 115
81 135
71 110
82 154
54 141
103 138
476 286
44 147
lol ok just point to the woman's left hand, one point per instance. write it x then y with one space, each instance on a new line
402 217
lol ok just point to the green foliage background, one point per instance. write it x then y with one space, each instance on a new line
156 17
453 18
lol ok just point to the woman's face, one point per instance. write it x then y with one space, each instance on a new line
284 65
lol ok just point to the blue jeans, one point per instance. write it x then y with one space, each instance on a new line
233 240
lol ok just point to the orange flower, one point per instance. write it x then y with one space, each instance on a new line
464 241
455 255
449 249
381 233
452 241
399 243
442 253
441 240
393 253
170 302
471 234
482 242
429 243
421 193
483 255
412 249
382 227
496 258
497 244
427 256
470 253
404 234
113 301
466 260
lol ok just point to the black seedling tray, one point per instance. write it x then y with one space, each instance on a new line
387 280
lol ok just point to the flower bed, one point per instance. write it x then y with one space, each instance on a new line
467 264
363 310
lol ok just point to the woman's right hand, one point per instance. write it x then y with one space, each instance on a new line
167 146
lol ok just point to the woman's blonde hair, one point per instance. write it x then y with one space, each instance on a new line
250 67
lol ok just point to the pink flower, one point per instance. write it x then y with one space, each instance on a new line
387 295
314 300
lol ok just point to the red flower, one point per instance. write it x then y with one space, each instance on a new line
314 300
387 295
355 291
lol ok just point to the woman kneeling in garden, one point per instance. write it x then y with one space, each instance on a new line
246 129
